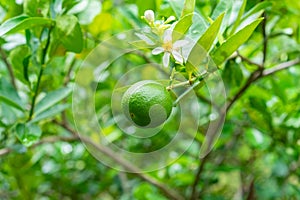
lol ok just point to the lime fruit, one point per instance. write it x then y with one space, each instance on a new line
147 103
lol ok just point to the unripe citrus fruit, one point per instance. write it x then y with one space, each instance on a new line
147 103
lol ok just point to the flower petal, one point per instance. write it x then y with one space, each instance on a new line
168 36
166 59
177 56
180 43
157 50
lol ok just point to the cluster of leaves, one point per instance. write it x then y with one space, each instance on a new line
44 42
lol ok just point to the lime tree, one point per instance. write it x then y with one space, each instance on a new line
147 103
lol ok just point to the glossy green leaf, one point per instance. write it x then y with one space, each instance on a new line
207 39
51 99
223 6
182 26
188 7
86 11
68 32
200 49
28 134
177 6
258 7
23 22
19 58
239 16
9 95
36 7
234 42
51 112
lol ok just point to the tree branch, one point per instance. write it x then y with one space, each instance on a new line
280 67
256 75
200 169
247 60
172 194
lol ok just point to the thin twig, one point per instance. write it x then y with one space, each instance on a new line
43 61
9 68
253 77
202 162
256 75
265 40
127 165
280 67
247 60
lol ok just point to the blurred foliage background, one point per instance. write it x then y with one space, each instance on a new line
256 157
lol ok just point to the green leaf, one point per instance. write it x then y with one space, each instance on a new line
19 58
68 32
36 7
200 49
54 110
234 42
182 26
23 22
28 133
9 95
188 7
258 7
86 11
51 99
207 39
232 75
177 6
239 17
223 6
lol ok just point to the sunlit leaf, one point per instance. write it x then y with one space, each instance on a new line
23 22
188 7
9 95
234 42
207 39
182 26
51 99
28 134
51 112
68 32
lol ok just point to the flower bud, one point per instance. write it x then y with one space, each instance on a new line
149 15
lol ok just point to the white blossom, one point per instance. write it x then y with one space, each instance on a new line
149 15
169 48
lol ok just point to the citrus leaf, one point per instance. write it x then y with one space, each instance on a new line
239 17
234 42
177 5
199 51
51 99
258 7
23 22
68 32
188 7
207 39
9 95
38 8
182 26
28 133
54 110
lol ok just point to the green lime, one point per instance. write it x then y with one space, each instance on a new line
147 103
